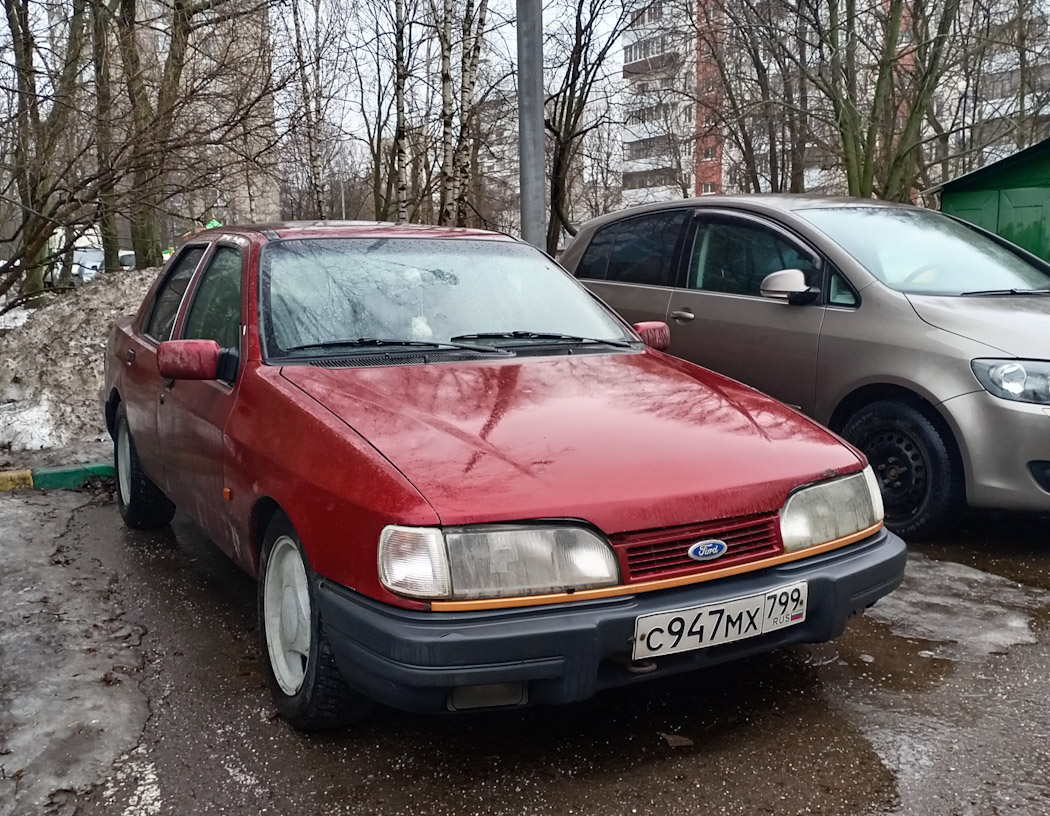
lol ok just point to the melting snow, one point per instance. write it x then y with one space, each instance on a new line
51 363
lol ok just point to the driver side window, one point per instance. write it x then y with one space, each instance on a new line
216 310
735 258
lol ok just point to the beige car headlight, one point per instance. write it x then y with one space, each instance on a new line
493 561
830 510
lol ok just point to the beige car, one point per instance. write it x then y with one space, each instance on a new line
922 340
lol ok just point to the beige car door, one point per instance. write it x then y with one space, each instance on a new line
633 264
720 320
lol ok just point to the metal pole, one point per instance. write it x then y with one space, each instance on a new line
530 122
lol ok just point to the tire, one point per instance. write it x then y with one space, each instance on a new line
307 686
915 464
142 504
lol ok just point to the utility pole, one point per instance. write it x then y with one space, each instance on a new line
530 122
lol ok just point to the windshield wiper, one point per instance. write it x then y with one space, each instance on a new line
995 292
530 335
375 342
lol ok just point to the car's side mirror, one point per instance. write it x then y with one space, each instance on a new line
188 359
654 333
789 285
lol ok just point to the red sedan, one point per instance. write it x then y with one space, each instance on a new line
463 482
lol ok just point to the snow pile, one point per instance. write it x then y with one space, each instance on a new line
51 366
14 318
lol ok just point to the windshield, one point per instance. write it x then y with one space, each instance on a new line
331 291
921 252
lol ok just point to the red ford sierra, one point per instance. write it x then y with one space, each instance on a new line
463 482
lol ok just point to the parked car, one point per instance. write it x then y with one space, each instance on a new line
921 339
86 264
462 482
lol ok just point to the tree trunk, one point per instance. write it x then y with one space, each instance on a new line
400 80
103 135
448 175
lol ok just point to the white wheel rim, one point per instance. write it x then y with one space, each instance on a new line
124 463
286 615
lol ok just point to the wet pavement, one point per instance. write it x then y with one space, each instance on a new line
937 701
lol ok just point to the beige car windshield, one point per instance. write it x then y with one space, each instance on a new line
921 252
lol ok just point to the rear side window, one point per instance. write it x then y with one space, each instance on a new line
644 249
171 291
595 260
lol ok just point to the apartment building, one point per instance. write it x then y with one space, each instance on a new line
659 134
736 95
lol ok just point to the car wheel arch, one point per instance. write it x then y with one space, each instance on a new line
263 511
866 395
112 403
874 392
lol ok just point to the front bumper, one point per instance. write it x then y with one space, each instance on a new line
998 438
562 653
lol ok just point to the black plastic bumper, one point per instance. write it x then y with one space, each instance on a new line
566 652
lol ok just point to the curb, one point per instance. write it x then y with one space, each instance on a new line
70 476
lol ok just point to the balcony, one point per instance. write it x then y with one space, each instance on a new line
668 61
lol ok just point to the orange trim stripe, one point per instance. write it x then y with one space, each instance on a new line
648 586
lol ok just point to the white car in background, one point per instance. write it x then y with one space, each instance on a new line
86 264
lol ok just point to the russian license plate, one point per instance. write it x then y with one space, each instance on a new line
698 627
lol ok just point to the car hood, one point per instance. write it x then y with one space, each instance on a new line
625 441
1018 325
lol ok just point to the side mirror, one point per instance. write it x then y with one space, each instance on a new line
789 285
188 359
654 333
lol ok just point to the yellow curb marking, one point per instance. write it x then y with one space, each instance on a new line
11 479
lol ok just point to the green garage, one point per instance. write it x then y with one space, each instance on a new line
1010 198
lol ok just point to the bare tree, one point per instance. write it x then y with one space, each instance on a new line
48 84
578 50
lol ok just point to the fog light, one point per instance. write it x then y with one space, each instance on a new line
491 695
1041 472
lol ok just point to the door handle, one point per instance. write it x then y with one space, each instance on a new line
682 315
129 355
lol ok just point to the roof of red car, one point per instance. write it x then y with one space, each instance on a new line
356 229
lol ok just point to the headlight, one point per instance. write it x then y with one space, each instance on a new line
493 561
830 510
1018 380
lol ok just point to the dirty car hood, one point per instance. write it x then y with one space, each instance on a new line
624 441
1018 325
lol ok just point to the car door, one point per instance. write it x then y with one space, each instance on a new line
719 319
141 386
632 264
193 413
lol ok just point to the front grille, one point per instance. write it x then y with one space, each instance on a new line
662 553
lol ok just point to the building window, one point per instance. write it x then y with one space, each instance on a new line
654 113
707 154
643 49
655 11
643 179
647 148
710 119
708 187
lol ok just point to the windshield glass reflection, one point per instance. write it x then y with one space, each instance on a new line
925 253
322 291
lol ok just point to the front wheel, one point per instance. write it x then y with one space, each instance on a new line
307 687
921 481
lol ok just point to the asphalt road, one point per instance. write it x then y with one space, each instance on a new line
130 685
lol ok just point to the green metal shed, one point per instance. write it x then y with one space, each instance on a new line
1010 198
